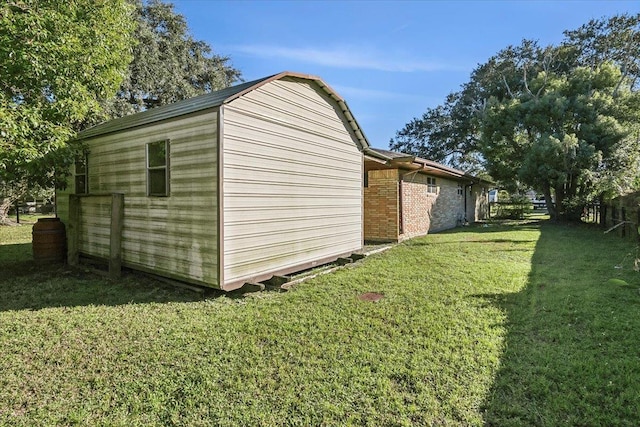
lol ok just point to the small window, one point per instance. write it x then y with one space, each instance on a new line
158 168
460 190
365 179
431 185
81 181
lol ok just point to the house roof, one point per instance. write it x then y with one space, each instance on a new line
395 158
212 100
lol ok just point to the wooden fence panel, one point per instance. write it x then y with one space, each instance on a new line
115 230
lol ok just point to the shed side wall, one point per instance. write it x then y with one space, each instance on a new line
174 236
292 180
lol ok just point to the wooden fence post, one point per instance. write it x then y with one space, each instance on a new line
73 230
115 242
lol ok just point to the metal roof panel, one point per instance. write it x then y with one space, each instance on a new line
212 100
180 108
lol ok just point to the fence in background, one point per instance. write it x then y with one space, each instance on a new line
621 215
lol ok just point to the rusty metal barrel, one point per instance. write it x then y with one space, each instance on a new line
49 240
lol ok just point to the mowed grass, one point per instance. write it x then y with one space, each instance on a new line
502 325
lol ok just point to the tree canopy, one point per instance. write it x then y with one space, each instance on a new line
168 63
68 65
563 120
59 60
561 134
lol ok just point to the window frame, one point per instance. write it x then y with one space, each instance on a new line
164 167
83 159
432 187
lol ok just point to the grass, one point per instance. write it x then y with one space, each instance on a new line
513 324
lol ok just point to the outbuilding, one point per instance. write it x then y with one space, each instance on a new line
406 196
263 178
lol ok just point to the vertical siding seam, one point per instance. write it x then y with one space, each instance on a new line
362 202
220 195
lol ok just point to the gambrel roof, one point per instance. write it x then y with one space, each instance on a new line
216 99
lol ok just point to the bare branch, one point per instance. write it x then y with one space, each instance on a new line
504 80
621 223
623 77
524 77
546 65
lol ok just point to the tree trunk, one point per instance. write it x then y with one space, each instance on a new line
5 205
551 206
567 211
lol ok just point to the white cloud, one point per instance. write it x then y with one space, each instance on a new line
346 57
349 92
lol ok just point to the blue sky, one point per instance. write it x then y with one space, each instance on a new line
389 60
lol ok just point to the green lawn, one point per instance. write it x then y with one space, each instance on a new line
501 325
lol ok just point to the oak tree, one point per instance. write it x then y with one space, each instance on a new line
59 60
563 120
168 64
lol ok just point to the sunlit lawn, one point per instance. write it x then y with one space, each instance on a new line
499 325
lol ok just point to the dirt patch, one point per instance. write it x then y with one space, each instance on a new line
370 296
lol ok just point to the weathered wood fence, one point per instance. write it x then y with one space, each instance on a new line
621 215
115 229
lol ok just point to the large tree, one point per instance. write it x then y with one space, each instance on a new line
168 63
560 119
562 134
58 61
446 134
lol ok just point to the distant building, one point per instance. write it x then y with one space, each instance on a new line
406 196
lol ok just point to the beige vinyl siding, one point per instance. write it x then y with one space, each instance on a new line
175 235
95 222
292 180
62 200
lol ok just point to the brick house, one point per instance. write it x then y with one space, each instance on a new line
406 196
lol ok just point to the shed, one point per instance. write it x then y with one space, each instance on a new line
406 196
263 178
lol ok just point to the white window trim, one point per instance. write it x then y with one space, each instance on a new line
165 167
85 190
432 187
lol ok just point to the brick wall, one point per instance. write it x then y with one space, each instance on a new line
448 207
381 206
422 212
417 205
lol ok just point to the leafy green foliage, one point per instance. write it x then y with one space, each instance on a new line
168 63
563 120
514 207
445 134
561 132
60 60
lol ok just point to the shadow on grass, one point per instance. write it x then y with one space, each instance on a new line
27 285
570 355
481 241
